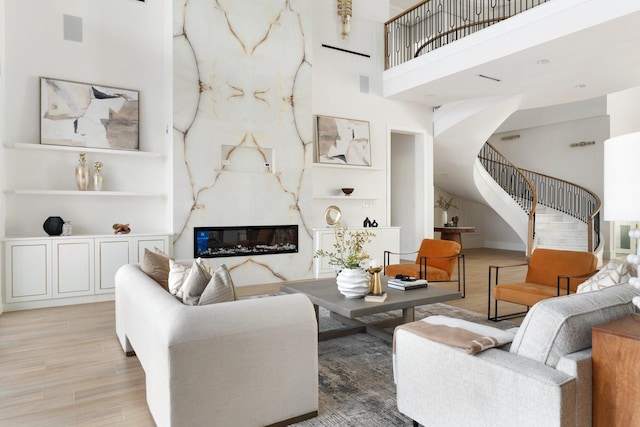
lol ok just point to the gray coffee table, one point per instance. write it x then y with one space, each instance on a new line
324 293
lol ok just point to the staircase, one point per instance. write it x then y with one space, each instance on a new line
555 230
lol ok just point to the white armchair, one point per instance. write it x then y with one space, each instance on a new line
544 378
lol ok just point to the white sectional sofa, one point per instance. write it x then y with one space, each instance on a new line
250 362
542 379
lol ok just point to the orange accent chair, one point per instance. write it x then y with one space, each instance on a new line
550 273
436 261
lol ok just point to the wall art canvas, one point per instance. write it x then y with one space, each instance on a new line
342 141
88 115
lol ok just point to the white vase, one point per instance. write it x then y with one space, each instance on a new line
353 282
444 218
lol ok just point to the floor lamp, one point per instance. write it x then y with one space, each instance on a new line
621 189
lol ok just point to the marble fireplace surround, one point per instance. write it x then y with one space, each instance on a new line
243 126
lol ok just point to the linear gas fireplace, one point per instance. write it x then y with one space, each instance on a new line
212 242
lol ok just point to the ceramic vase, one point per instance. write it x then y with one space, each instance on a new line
97 176
83 175
445 218
353 282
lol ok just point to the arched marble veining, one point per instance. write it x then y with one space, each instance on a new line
242 78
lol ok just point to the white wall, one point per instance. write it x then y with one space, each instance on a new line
336 92
124 44
624 112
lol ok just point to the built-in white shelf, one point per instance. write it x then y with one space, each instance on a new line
87 193
42 147
350 167
337 197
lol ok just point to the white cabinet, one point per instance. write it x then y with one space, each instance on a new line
73 265
44 272
111 253
28 270
386 239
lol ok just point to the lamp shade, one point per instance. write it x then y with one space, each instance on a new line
622 178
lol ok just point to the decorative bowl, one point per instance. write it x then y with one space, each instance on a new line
347 191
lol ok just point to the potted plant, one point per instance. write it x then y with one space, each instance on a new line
348 260
445 205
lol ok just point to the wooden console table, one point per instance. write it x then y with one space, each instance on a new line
616 373
453 233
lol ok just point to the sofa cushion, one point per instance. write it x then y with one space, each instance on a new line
559 326
219 289
612 274
156 265
194 284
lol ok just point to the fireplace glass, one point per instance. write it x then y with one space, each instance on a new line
213 242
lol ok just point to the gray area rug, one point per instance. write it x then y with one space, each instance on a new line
356 374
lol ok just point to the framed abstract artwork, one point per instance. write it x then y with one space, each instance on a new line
342 141
88 115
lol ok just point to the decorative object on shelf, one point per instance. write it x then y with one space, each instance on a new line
342 141
121 229
347 191
97 176
366 222
53 225
374 223
344 12
349 255
454 221
375 287
67 229
332 215
445 205
83 174
71 110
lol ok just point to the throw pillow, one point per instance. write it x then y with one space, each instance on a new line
194 284
156 265
220 288
612 274
177 274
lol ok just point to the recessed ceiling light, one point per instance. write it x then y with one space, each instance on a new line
543 61
580 86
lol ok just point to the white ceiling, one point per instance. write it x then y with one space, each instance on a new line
586 60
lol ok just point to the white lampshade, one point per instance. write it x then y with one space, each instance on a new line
622 178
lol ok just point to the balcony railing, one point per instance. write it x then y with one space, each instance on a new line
435 23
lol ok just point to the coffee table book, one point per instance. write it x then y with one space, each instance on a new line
376 298
405 285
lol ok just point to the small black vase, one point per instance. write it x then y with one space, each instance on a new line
53 225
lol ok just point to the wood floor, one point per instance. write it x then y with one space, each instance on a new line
63 366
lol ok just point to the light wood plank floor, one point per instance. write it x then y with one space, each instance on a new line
63 366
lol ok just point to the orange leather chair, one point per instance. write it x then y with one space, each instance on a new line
551 273
436 262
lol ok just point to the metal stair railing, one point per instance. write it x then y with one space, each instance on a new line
514 182
571 199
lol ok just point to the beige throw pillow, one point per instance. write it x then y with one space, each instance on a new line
177 274
156 265
220 288
194 284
